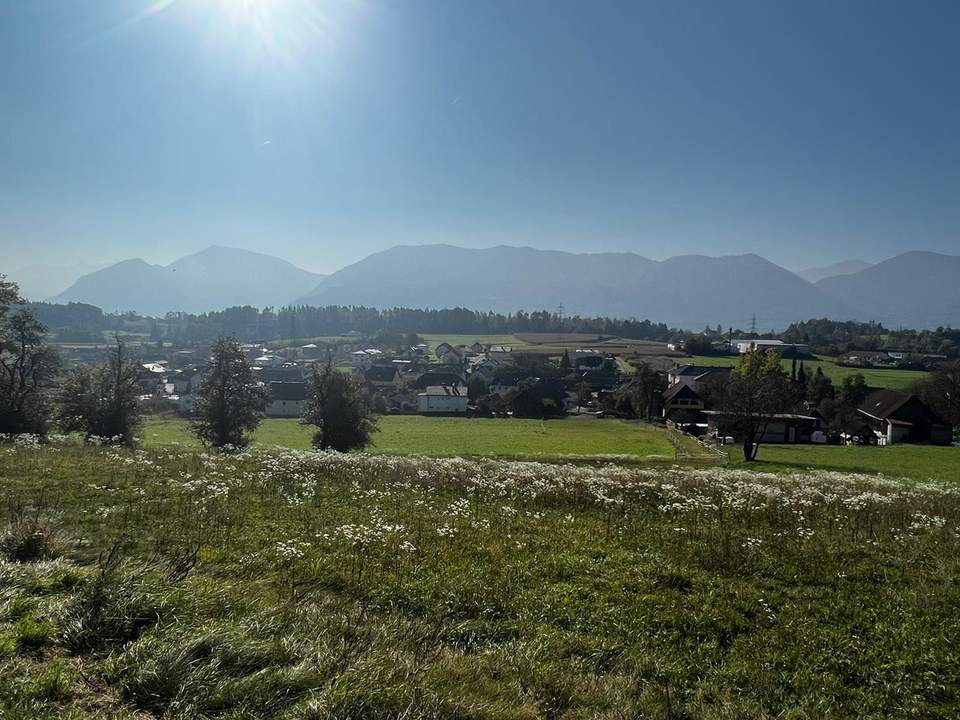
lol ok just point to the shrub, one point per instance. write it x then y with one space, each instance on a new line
31 535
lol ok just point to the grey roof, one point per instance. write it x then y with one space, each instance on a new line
288 390
381 373
445 390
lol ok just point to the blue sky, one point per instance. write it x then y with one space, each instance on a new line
322 131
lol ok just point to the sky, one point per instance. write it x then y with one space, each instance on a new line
321 131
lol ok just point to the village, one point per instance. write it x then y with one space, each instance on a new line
559 378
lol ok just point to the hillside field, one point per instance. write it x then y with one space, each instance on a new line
277 584
882 378
449 436
917 462
583 438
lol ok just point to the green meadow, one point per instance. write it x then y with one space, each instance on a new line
450 436
896 379
173 583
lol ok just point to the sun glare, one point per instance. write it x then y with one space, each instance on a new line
283 30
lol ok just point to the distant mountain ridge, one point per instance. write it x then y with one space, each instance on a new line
846 267
916 289
211 279
686 291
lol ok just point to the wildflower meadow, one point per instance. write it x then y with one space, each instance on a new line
274 583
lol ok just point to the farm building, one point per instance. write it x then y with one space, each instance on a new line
442 400
287 399
745 346
789 428
898 417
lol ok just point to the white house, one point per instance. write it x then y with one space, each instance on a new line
440 399
365 358
287 399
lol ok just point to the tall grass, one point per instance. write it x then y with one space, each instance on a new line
308 585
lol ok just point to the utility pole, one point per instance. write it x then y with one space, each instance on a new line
753 324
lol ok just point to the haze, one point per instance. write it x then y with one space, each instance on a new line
323 131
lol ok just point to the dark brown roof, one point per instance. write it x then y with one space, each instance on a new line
675 391
898 406
883 403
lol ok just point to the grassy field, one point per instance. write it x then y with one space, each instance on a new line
300 586
897 379
917 462
449 436
583 438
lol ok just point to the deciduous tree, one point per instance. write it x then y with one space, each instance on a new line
759 390
102 401
27 367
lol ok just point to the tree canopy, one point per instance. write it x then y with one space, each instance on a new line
230 402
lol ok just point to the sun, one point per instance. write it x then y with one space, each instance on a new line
281 30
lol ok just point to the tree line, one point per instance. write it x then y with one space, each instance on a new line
79 321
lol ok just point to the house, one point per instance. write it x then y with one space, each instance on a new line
694 375
499 352
287 399
484 368
432 378
899 417
442 348
477 347
603 378
442 399
365 358
312 351
151 378
283 373
452 356
681 398
783 428
588 362
382 376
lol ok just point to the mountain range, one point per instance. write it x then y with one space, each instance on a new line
847 267
212 279
916 289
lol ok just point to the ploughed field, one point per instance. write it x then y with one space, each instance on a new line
171 582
